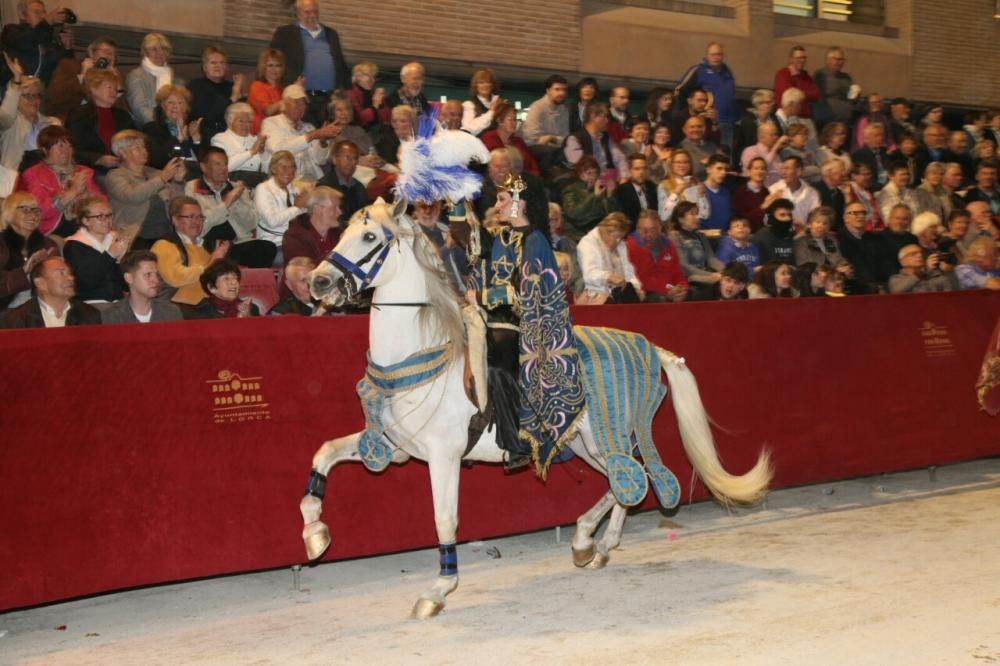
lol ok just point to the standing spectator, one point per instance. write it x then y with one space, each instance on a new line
697 107
22 247
478 110
312 51
698 262
586 91
894 237
604 261
678 186
230 214
586 200
340 177
180 256
775 241
737 246
638 193
139 193
365 97
247 158
796 76
896 191
143 82
212 93
56 182
714 76
278 200
93 253
173 133
767 148
720 206
594 140
834 190
792 187
314 234
141 306
838 92
504 135
65 91
264 95
410 92
697 146
750 198
21 120
980 269
95 124
618 113
33 40
919 274
817 244
873 155
832 140
761 111
547 124
773 280
289 132
655 261
54 304
861 249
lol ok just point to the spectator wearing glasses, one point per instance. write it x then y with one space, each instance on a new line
22 247
181 258
917 273
21 120
93 253
796 76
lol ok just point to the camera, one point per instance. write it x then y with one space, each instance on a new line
947 258
102 63
69 17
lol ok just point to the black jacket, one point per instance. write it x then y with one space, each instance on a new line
87 144
29 315
628 199
288 40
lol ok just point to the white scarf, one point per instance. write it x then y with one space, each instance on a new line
87 238
164 75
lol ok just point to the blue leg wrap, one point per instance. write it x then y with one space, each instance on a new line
316 485
449 559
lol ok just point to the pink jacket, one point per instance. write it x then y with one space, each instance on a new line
41 181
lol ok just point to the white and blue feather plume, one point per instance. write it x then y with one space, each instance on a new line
434 165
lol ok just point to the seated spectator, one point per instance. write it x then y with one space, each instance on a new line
985 151
958 145
834 189
585 200
810 279
791 186
140 194
775 240
818 245
750 198
341 114
697 107
180 257
792 104
145 81
767 148
638 140
873 155
547 123
93 252
221 281
899 121
927 228
478 111
264 96
366 99
22 247
954 238
403 123
697 146
279 200
897 191
932 197
980 269
53 304
287 131
833 145
95 124
698 262
409 93
504 135
660 152
773 280
985 188
212 93
906 154
299 300
834 285
720 206
315 234
566 266
57 183
761 111
861 178
245 153
230 214
561 244
894 237
873 113
658 108
504 162
638 193
737 246
65 91
934 148
605 264
172 133
732 285
340 176
586 91
656 264
797 146
141 306
982 224
862 250
20 122
678 186
918 273
593 140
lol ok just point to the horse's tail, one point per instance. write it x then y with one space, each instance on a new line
696 436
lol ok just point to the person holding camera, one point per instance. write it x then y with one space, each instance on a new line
918 274
34 40
65 92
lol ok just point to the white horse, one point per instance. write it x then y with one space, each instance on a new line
414 310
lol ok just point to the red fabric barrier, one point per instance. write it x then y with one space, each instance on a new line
129 459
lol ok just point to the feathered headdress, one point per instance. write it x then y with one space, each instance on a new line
434 165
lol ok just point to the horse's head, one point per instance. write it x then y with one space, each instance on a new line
360 259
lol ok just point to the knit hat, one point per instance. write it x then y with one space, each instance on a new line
923 222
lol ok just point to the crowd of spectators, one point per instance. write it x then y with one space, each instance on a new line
143 197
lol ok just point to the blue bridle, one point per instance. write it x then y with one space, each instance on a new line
351 269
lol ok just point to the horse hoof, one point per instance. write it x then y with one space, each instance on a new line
317 542
600 561
426 608
582 558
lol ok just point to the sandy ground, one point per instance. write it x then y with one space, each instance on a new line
897 569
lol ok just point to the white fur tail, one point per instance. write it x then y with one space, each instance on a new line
696 436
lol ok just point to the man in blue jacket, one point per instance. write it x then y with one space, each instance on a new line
714 76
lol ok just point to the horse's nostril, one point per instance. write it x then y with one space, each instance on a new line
322 283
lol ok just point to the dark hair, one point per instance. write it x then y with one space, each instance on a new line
955 214
680 210
765 279
583 83
653 102
779 204
802 278
798 160
212 150
52 135
983 164
829 130
217 269
694 91
39 268
586 162
554 79
633 121
734 270
130 262
736 218
345 143
898 166
595 109
717 158
635 156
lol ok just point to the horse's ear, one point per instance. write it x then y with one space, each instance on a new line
399 205
379 202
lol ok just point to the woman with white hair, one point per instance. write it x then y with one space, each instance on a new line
403 122
279 200
144 81
761 111
604 262
366 99
931 195
21 120
248 157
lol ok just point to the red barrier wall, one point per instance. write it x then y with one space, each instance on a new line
125 462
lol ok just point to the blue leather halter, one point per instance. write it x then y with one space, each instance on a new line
352 270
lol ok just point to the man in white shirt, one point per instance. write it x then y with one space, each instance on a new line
53 305
288 131
791 186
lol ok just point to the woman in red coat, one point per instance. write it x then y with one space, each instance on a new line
503 135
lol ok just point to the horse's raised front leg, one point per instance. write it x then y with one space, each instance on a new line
444 488
583 540
315 533
612 537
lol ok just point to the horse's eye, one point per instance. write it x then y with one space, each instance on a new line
368 237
